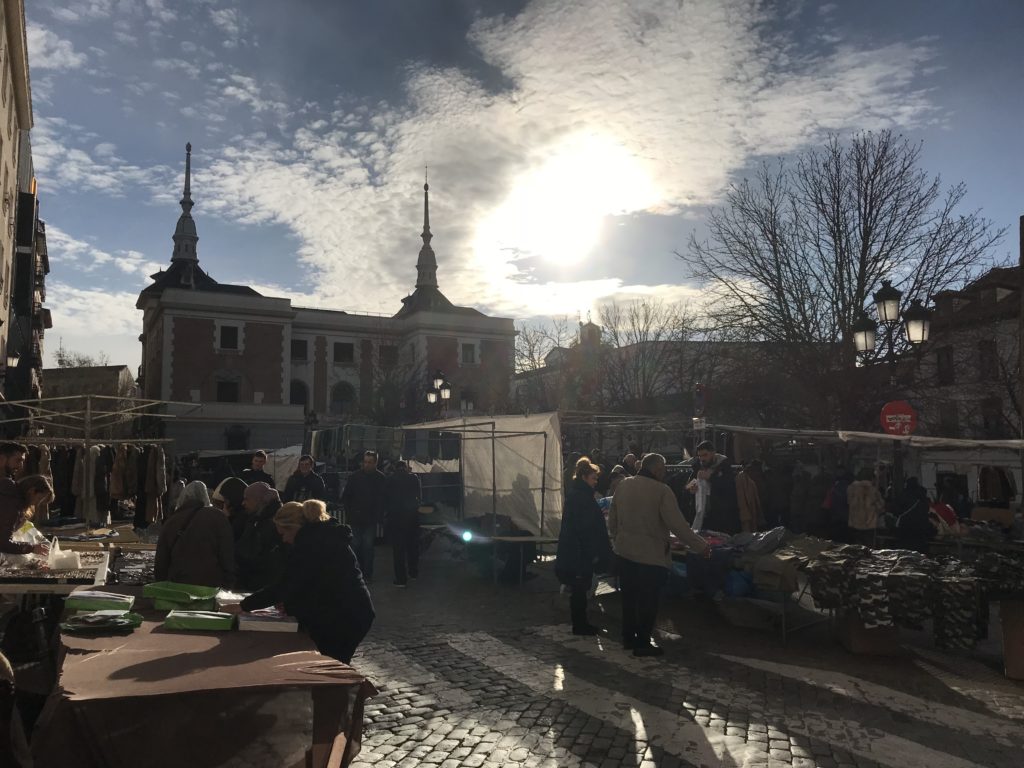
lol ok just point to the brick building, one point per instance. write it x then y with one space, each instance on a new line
259 365
966 384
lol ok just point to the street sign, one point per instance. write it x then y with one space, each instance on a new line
899 418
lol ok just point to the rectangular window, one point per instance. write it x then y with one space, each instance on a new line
469 354
988 360
344 352
992 422
944 364
949 421
388 356
227 391
300 349
229 337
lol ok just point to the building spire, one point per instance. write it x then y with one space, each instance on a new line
426 265
426 206
185 237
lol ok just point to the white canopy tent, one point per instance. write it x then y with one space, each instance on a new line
511 466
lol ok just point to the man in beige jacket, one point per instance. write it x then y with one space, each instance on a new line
643 512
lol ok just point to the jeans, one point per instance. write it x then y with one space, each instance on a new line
640 585
363 538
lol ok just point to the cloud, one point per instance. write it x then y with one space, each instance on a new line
606 109
83 11
48 51
79 327
231 23
609 110
179 65
62 160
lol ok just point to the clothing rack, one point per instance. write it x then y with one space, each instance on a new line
81 441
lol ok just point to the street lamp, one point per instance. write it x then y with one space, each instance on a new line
887 302
916 321
441 391
864 331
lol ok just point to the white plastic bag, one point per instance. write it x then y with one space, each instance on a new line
27 534
62 561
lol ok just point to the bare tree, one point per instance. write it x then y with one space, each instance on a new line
68 359
797 252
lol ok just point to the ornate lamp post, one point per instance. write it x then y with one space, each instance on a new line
916 324
440 392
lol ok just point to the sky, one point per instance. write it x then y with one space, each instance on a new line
572 146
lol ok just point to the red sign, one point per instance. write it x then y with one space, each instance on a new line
898 418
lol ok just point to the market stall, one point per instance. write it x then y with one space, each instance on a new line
511 468
188 684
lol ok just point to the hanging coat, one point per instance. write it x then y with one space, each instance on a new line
117 474
156 484
749 500
131 472
84 485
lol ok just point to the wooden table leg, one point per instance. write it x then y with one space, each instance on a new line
330 721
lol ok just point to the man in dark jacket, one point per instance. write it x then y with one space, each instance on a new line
722 513
255 473
305 483
404 493
12 459
259 552
365 499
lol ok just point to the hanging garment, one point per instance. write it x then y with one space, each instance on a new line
43 512
117 473
84 485
156 484
702 497
131 472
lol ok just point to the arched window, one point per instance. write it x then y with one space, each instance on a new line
343 398
298 394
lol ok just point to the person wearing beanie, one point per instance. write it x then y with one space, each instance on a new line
228 497
322 585
259 552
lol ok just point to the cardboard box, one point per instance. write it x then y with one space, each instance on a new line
856 638
1011 616
985 514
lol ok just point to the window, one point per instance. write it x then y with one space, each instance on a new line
343 397
469 354
236 438
227 391
944 364
988 360
298 394
344 352
229 337
949 422
388 356
992 423
300 349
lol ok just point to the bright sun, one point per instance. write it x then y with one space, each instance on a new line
556 211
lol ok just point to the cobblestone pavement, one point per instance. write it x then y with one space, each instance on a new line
474 674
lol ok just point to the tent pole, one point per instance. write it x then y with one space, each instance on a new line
543 482
494 482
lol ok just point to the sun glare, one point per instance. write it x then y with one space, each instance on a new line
556 210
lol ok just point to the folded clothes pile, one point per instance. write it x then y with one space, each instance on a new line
902 588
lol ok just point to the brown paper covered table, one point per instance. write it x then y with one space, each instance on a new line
158 698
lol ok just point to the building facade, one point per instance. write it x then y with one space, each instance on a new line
966 384
262 370
23 262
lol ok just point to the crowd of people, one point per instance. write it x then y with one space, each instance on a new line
645 504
